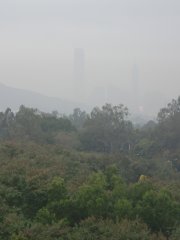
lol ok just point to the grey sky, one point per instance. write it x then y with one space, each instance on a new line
38 37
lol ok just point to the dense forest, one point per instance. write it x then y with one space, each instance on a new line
89 175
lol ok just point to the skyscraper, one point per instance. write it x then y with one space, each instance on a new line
79 66
135 87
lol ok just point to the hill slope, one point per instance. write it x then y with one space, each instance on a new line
13 98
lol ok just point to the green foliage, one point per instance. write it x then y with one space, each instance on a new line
44 216
159 211
106 129
169 125
138 190
146 148
78 118
49 186
106 229
176 234
92 197
31 124
56 189
123 209
50 189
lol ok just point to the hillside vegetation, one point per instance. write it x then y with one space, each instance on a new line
89 176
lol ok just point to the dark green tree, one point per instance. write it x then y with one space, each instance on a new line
107 129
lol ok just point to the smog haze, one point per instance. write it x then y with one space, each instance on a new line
129 50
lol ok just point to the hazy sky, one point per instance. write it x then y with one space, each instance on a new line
38 38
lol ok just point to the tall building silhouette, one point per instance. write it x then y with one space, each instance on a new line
79 66
135 87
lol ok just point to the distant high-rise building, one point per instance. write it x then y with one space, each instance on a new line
79 66
135 87
135 80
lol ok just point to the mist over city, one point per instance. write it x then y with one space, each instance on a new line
130 50
89 119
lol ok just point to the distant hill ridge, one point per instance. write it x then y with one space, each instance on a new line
14 97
